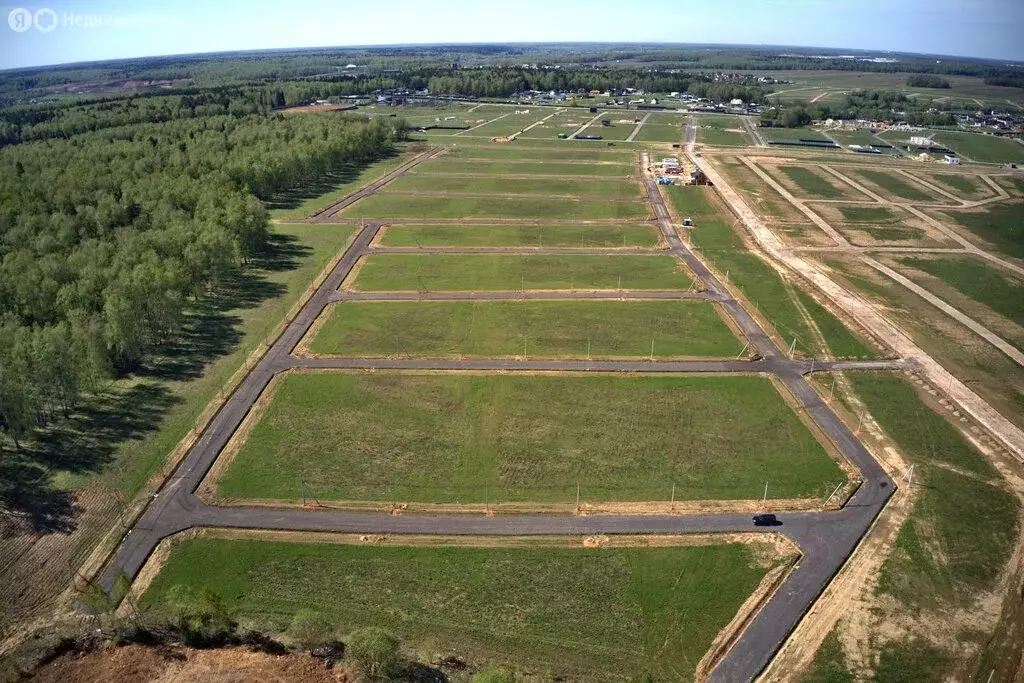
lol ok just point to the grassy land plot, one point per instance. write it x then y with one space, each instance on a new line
873 226
977 280
860 136
508 123
789 311
444 166
397 206
501 185
577 329
656 132
829 665
962 529
1014 185
619 129
791 134
463 438
813 184
986 369
630 611
332 186
1001 225
964 186
725 131
983 148
562 152
867 214
893 184
483 272
468 235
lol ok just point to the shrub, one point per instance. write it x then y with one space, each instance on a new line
374 652
310 629
495 675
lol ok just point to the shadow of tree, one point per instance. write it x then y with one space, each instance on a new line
88 439
293 198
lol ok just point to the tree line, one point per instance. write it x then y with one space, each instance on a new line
106 237
885 105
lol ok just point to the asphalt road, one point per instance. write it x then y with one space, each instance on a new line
826 539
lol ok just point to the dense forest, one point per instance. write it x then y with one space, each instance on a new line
107 236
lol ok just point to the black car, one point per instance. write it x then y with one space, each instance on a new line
766 520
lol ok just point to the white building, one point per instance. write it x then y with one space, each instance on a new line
920 141
670 165
951 160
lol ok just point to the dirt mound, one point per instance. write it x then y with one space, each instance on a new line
136 663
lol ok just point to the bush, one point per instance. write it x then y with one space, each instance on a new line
495 675
200 617
310 629
374 652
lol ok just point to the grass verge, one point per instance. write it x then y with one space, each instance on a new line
469 235
398 206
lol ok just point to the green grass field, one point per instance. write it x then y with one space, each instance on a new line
437 167
894 184
894 233
1002 225
461 438
397 206
502 185
543 328
983 148
779 302
812 183
979 281
866 214
957 182
629 611
656 132
861 136
483 272
962 529
721 131
566 151
472 235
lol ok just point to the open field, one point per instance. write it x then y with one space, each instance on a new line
958 184
484 272
988 371
873 226
564 151
446 165
396 206
1000 293
1001 225
983 148
473 235
793 313
630 610
723 131
948 554
577 329
662 128
891 184
861 136
470 439
813 184
606 189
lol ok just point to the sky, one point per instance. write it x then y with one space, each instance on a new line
65 31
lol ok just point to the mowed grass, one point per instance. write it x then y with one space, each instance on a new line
443 166
483 272
397 206
894 184
979 281
1002 225
957 182
471 235
962 528
791 134
576 329
659 132
566 151
470 439
811 183
781 303
983 148
501 185
629 611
